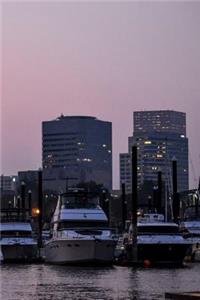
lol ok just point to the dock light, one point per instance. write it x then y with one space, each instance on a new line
35 212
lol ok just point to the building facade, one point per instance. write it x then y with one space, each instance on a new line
8 183
125 171
8 189
76 149
160 136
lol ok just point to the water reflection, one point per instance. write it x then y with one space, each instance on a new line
46 282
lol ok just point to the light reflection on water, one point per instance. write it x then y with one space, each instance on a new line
48 282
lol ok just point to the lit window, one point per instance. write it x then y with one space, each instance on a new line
154 168
87 159
147 142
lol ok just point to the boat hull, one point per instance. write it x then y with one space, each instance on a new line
19 253
162 253
74 251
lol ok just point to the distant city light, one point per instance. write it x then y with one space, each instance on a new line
147 142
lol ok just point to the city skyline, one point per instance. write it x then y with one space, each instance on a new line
99 59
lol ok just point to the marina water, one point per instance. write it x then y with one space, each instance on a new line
50 282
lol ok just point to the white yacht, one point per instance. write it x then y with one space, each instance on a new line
17 242
159 241
80 231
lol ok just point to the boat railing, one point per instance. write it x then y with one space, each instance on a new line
80 232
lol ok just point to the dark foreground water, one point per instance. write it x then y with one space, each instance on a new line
46 282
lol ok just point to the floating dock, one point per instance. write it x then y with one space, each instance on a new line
183 296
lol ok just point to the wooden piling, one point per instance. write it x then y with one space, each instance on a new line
134 203
176 202
40 206
124 206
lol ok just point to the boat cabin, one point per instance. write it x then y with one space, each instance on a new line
15 230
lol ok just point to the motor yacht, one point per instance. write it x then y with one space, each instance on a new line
17 242
159 241
79 231
191 232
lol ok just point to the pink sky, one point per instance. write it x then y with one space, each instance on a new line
101 59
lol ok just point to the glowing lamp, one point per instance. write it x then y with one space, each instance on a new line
35 212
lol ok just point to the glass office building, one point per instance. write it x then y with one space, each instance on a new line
77 149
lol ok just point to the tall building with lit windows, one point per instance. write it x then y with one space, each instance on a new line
76 149
160 136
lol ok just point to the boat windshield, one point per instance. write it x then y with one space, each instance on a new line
82 224
157 229
78 201
193 228
10 233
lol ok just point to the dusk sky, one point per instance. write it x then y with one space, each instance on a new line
104 59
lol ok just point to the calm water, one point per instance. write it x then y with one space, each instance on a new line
46 282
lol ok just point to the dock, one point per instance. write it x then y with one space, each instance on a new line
183 296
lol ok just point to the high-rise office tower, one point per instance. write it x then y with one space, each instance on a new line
160 136
159 121
77 149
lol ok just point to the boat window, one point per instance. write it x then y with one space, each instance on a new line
77 201
89 231
158 229
193 228
85 224
10 233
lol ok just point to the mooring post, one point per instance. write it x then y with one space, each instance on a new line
23 199
134 203
159 196
197 200
29 202
176 202
18 206
155 198
2 182
40 206
105 204
124 206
